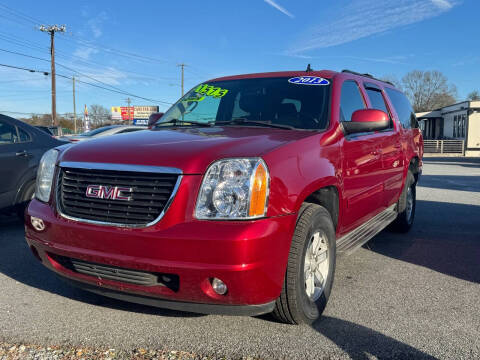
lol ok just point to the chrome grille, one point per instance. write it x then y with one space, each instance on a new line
149 193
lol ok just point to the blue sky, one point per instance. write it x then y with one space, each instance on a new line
136 46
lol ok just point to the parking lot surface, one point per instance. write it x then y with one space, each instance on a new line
402 295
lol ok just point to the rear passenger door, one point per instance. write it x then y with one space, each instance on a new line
362 163
390 145
13 162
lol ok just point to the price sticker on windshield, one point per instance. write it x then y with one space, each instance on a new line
210 90
308 80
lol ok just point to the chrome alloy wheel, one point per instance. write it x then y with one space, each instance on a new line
316 265
409 203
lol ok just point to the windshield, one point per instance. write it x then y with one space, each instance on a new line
97 131
281 101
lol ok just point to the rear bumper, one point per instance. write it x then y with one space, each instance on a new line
249 256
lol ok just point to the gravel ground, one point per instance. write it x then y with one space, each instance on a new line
401 296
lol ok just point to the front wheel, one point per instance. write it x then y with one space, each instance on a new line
310 268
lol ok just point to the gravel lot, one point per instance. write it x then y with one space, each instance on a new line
414 295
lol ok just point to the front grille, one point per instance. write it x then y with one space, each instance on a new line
149 195
107 272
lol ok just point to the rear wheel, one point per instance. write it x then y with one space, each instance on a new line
406 205
310 269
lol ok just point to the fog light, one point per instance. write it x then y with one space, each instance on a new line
37 223
219 286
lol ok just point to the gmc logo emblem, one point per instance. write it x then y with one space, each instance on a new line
108 192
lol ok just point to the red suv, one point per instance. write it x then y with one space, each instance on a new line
239 198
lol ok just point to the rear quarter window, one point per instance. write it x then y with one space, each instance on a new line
403 108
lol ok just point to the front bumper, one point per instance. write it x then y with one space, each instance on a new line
249 256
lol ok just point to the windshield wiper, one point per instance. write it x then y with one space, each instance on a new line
255 122
175 122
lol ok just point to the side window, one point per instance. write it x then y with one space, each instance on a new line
377 100
350 100
8 134
403 108
24 136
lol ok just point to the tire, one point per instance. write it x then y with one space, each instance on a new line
406 206
297 303
28 194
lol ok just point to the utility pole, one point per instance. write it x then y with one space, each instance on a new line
52 29
128 100
74 109
182 66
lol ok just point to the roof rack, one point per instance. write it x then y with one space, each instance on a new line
366 75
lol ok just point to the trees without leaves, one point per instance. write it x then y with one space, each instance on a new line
99 114
474 96
428 90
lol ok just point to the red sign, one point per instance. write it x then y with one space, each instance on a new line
124 111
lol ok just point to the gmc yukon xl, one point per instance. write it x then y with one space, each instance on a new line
239 198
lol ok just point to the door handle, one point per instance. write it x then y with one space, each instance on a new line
22 153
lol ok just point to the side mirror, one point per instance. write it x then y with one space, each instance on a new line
366 120
152 119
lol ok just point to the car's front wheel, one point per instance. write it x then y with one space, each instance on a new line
310 269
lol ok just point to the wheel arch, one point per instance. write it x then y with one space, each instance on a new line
328 197
414 167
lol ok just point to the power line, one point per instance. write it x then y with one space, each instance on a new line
25 55
119 91
21 15
68 68
26 69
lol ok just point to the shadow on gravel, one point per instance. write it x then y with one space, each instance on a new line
18 263
444 238
360 342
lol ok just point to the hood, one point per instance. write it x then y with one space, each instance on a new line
190 149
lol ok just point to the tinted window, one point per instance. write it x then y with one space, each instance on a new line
377 100
273 100
8 134
403 108
351 100
24 136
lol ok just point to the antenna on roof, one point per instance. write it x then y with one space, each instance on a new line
309 68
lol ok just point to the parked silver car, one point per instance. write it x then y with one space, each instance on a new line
104 131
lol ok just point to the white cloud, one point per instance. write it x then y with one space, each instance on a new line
442 4
84 52
364 18
95 23
279 8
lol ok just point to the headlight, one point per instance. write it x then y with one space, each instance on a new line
46 169
234 189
